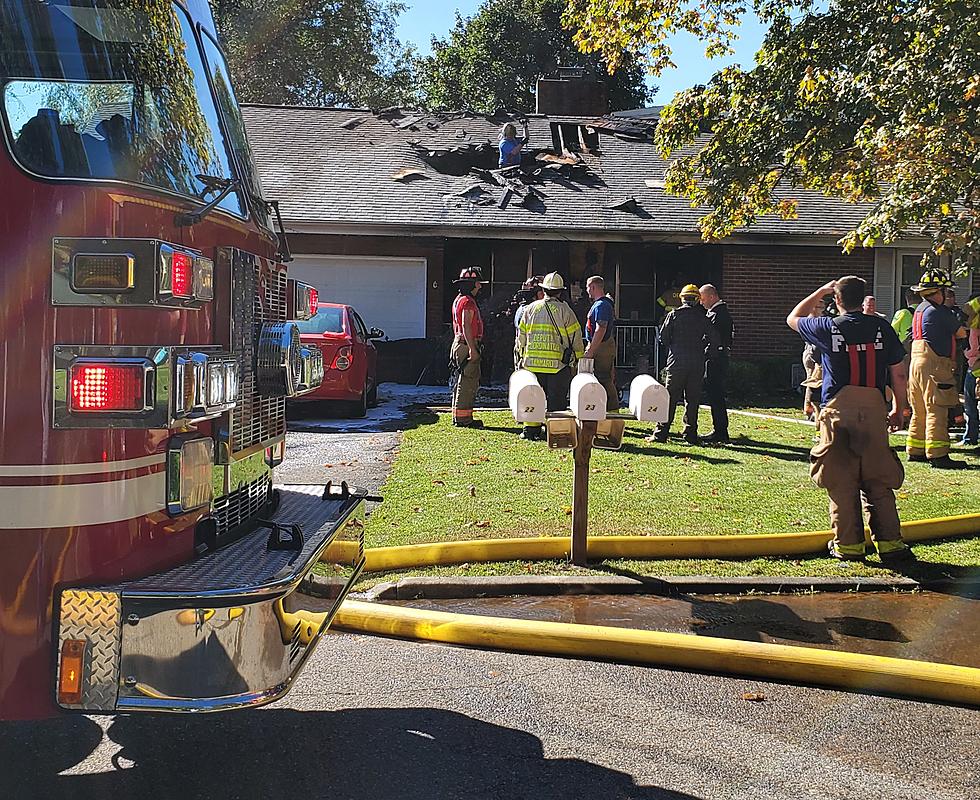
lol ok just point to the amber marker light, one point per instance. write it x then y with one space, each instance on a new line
71 672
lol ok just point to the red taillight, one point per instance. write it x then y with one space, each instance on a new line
181 274
108 387
314 301
343 359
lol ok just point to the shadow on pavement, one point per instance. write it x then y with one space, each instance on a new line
367 754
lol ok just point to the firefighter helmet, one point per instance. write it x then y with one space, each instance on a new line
933 280
690 291
469 274
553 282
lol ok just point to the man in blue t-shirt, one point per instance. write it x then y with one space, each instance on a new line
853 460
600 339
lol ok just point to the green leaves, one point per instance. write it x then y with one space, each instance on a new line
873 101
315 52
493 59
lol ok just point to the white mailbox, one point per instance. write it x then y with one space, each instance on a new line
649 401
588 398
527 400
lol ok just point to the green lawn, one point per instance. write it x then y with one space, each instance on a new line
449 484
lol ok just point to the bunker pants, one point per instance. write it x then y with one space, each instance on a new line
932 392
605 372
467 381
854 462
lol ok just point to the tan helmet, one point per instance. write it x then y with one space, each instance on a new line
690 291
553 282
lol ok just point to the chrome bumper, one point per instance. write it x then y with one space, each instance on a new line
221 632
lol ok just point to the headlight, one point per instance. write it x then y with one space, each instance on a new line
189 466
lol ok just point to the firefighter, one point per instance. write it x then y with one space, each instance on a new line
669 300
687 334
549 344
464 358
600 334
853 459
932 387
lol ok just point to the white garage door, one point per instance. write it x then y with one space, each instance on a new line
388 293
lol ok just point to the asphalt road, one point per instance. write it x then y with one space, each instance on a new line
376 718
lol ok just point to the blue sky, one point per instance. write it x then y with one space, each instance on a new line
423 18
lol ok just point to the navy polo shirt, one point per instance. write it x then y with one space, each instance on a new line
855 350
937 325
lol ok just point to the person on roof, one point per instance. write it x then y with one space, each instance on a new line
510 146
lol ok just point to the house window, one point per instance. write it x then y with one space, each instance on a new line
895 272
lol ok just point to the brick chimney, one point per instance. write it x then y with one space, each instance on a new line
571 93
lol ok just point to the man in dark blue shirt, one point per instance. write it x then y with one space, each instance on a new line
600 339
853 460
933 388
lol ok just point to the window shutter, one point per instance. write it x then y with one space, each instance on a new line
885 285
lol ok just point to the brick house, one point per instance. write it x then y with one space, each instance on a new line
384 208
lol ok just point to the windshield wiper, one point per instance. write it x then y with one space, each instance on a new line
212 183
285 256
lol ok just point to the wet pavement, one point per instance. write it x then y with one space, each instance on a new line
921 625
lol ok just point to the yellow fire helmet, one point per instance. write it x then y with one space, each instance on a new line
690 291
933 280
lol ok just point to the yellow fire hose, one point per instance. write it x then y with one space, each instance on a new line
382 559
897 676
945 682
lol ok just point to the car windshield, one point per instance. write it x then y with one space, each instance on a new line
110 89
327 320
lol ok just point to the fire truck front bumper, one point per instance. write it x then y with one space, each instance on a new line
224 631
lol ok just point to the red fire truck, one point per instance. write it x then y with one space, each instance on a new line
147 560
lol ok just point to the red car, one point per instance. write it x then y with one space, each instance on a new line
350 359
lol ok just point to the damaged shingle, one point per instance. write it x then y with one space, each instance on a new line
411 122
353 122
628 204
409 174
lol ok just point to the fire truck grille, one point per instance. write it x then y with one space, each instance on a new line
261 294
242 505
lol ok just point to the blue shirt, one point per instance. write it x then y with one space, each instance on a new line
937 325
509 155
601 311
855 350
519 314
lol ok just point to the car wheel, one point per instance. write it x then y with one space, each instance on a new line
359 407
372 398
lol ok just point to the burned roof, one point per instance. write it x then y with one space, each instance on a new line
412 171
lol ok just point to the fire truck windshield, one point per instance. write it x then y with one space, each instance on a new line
114 90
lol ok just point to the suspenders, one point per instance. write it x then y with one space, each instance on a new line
917 332
862 357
